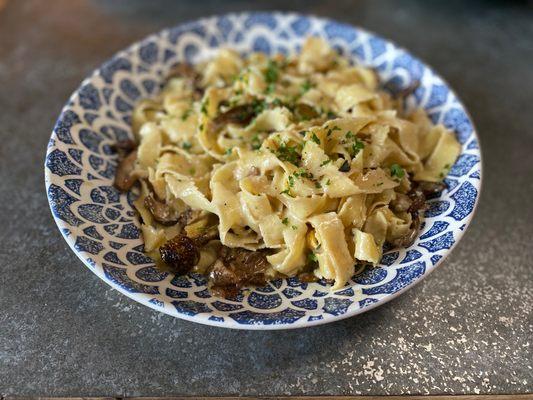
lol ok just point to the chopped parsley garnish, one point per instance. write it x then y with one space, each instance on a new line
288 153
258 106
277 102
397 171
205 104
294 227
306 86
287 192
186 114
331 130
302 133
345 167
331 115
318 185
228 151
315 138
285 221
255 142
291 181
312 257
356 147
186 146
302 173
328 182
271 75
325 162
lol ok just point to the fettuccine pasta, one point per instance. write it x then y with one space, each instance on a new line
297 165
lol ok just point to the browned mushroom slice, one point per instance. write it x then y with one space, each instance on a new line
181 254
239 115
418 201
307 277
237 268
431 189
409 238
162 212
124 177
305 111
187 71
124 146
188 216
401 203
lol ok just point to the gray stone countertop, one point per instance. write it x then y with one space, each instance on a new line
466 329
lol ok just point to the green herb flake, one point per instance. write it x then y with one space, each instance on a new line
256 142
285 221
306 86
229 150
272 71
291 181
312 257
192 171
318 185
287 192
397 171
357 146
315 138
186 114
328 182
186 146
205 104
294 227
325 162
288 153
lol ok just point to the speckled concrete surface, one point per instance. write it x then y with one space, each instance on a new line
468 328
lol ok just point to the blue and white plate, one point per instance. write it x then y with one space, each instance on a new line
102 228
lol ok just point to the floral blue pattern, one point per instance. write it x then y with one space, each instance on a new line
99 223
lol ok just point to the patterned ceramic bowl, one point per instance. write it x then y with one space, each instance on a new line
101 226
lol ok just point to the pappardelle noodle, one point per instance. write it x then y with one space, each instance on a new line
260 167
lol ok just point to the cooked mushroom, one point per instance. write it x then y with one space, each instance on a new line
415 201
305 111
125 177
239 115
124 147
162 212
236 268
431 189
401 203
409 238
184 70
180 254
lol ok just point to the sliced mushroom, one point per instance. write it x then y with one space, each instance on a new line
305 111
236 268
181 254
401 203
125 176
307 277
409 238
431 189
187 71
239 115
162 212
124 147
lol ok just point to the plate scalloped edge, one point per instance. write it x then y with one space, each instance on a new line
100 226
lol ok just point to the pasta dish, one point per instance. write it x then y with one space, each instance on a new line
253 168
